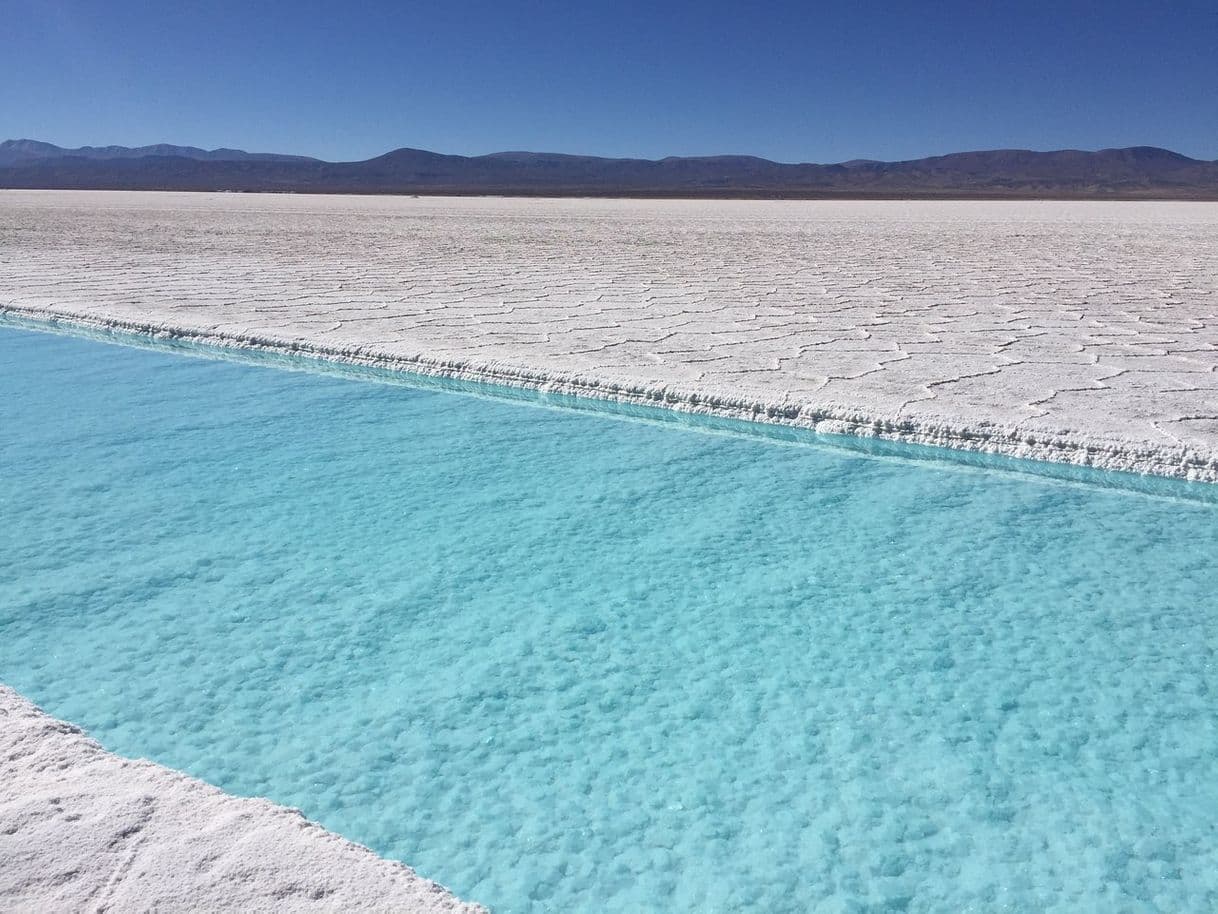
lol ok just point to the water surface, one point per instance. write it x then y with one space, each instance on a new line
560 661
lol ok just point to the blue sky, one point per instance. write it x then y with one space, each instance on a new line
789 81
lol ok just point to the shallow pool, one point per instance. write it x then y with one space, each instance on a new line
560 661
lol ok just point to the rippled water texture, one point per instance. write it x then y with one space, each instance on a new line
565 662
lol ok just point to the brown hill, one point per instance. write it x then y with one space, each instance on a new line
1140 172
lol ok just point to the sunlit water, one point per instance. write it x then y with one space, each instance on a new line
560 661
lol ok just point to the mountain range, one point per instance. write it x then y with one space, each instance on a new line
1139 172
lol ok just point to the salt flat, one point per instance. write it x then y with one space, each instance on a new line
1079 332
87 830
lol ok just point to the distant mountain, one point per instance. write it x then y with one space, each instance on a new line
20 152
1140 172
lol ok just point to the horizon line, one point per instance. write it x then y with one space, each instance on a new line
588 155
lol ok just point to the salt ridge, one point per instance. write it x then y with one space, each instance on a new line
1067 447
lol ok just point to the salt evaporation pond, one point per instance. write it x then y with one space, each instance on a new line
560 661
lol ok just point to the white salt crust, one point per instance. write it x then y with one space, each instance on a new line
83 829
1106 453
1080 333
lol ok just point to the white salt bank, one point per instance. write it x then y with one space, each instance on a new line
81 829
1080 332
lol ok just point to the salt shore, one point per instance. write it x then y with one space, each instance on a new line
82 829
1085 333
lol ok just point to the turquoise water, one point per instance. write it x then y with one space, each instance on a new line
564 662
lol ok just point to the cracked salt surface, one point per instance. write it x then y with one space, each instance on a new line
560 662
1076 332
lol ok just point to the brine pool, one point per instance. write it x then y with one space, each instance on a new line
564 661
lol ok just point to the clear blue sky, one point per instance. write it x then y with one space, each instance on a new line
790 81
